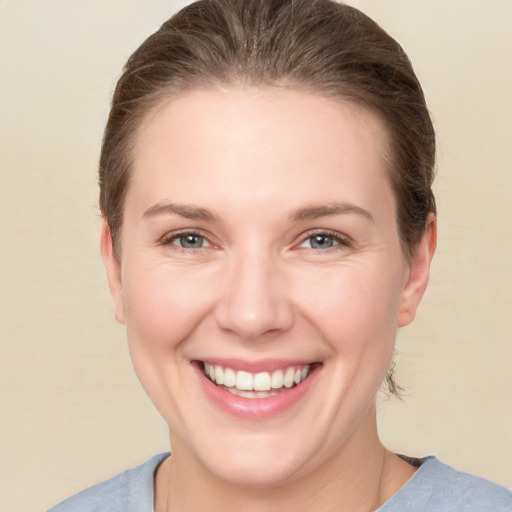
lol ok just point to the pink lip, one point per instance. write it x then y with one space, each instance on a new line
255 408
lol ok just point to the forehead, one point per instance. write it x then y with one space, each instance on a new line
254 144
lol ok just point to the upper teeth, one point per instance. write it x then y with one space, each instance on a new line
262 381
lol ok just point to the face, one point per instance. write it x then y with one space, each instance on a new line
262 279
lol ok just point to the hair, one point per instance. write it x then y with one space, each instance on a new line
319 46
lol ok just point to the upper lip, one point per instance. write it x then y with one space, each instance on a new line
262 365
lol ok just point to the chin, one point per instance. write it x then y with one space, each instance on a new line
255 468
248 459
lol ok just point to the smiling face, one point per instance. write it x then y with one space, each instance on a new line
260 247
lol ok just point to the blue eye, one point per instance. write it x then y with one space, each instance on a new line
323 241
185 240
189 241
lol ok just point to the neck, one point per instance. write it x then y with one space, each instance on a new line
359 478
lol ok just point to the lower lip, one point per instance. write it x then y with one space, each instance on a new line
255 408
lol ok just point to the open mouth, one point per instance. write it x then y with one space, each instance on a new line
257 385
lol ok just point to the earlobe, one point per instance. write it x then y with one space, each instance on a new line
113 268
419 268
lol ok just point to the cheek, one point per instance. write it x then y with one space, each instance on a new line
163 305
354 307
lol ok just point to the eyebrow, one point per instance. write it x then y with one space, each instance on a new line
315 211
184 210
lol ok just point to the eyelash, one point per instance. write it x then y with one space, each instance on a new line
338 240
170 238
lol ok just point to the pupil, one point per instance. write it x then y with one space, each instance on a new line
321 241
191 241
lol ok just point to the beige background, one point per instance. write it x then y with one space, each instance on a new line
71 410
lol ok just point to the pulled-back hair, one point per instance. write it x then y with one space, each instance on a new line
319 46
315 45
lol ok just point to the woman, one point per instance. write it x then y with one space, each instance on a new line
268 226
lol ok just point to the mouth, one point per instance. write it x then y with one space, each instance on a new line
257 391
264 384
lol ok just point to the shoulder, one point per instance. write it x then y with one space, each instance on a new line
436 486
131 490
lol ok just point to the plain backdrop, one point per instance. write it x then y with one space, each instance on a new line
71 410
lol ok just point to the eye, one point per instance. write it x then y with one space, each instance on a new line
323 241
187 240
190 241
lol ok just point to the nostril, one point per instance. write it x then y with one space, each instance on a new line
251 320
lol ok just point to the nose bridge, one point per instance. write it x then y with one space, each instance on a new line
254 301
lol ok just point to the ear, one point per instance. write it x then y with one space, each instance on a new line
419 267
113 267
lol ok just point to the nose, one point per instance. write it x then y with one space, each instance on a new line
254 301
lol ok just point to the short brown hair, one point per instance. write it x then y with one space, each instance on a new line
317 45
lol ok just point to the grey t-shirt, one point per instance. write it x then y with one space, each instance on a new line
435 487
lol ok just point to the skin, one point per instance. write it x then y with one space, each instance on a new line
257 289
